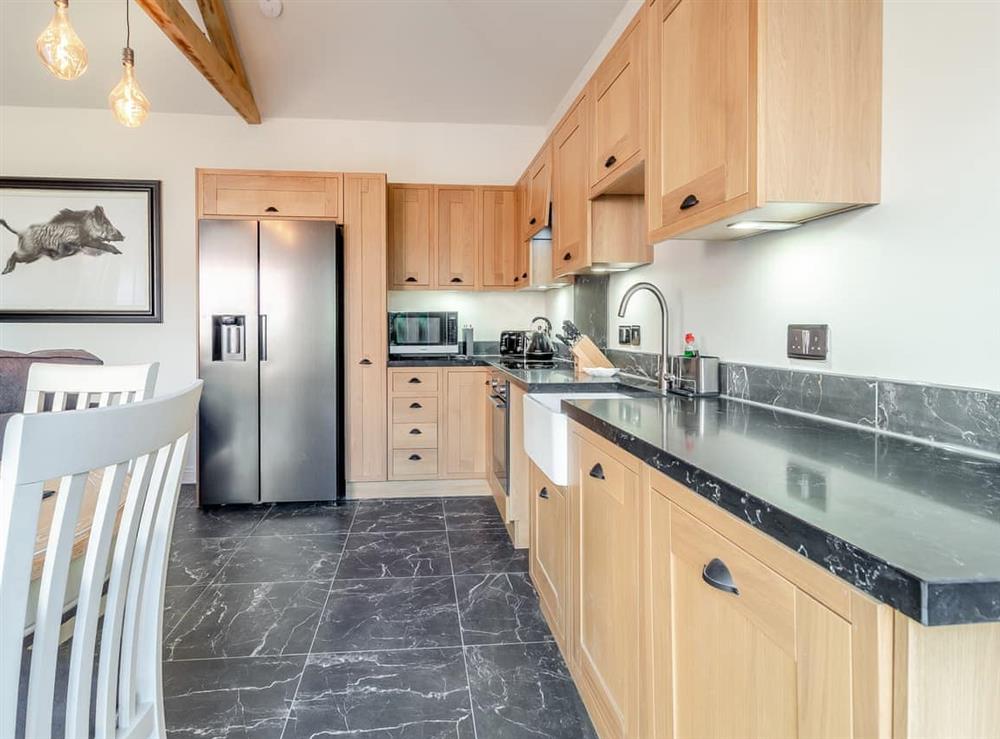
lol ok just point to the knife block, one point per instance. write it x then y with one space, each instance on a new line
587 354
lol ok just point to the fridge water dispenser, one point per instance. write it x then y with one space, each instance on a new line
228 338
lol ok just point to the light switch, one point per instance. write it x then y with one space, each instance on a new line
636 336
808 340
625 335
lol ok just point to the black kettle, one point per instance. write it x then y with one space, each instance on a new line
540 340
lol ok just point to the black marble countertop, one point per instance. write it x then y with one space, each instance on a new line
454 360
916 526
561 379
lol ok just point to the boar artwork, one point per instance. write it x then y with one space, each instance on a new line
69 232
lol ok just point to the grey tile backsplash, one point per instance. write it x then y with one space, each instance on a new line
945 415
590 307
841 397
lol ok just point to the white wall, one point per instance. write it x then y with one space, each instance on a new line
89 143
910 287
488 312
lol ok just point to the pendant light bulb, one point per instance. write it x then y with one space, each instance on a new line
60 49
128 102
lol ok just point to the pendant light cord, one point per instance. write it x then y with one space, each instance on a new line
128 30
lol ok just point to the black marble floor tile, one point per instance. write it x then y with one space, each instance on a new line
229 698
483 551
525 691
472 513
389 614
198 561
237 520
284 558
396 554
176 601
241 620
499 609
307 518
420 694
188 497
410 514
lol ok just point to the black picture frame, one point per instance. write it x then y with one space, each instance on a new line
154 312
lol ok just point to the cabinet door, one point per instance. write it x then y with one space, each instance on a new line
465 423
366 349
455 231
570 197
605 619
521 277
410 236
616 89
271 195
734 651
752 655
499 236
699 98
549 548
539 192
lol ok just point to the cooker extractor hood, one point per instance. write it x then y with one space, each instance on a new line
540 272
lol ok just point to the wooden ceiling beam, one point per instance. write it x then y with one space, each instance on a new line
220 33
210 57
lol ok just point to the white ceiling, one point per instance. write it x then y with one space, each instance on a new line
460 61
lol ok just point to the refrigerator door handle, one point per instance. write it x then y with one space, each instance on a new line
263 337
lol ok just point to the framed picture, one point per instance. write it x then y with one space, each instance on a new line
80 251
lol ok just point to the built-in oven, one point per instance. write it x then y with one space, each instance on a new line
423 333
500 420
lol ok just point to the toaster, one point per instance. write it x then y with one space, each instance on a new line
696 377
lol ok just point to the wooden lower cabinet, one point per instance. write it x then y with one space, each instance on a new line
733 647
604 562
518 500
679 621
549 554
465 401
436 424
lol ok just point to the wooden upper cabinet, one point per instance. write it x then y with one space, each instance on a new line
618 111
410 236
289 195
539 192
703 109
500 237
456 238
522 271
757 114
570 199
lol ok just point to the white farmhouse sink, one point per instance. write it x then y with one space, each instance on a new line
546 439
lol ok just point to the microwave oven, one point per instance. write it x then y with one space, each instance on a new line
423 333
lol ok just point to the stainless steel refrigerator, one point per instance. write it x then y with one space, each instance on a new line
270 351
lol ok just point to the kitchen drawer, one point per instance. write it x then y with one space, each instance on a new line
409 463
414 436
765 598
414 382
418 409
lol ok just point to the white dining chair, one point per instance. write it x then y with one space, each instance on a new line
55 386
150 438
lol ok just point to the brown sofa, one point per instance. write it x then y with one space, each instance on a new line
14 368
